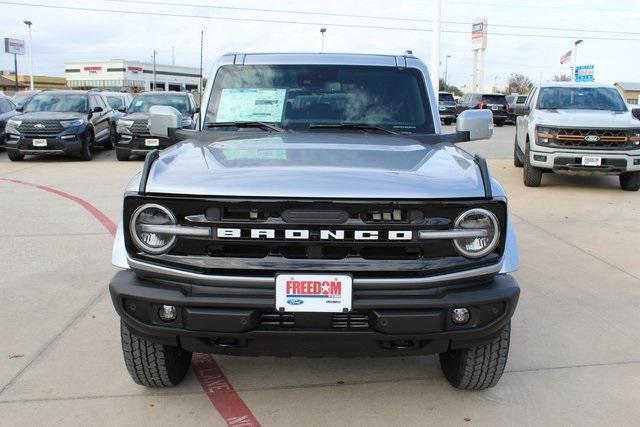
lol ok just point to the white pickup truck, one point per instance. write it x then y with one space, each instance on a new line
579 129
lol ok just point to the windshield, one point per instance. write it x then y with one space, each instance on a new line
141 104
21 98
297 96
115 102
446 97
580 98
57 102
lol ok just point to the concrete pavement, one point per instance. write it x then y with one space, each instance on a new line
574 355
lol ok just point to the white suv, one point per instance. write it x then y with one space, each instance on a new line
579 129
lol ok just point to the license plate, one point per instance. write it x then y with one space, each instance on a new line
495 107
591 161
443 108
319 293
151 142
39 142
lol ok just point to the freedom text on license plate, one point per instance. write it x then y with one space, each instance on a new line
151 142
323 293
591 161
39 142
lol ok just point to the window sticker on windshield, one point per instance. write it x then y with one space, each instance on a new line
251 104
255 154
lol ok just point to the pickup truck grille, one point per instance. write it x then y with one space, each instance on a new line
40 127
613 139
140 127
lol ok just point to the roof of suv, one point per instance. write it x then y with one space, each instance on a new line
162 92
576 84
319 58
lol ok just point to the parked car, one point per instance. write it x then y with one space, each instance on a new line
21 98
578 129
495 102
7 110
119 102
61 122
447 107
133 129
309 216
514 103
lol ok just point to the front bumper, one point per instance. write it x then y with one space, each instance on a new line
137 144
570 161
243 321
65 143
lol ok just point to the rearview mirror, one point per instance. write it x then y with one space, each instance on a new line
636 113
479 124
196 110
162 118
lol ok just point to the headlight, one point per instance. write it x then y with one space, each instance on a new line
14 123
125 123
477 219
71 123
634 137
544 135
150 242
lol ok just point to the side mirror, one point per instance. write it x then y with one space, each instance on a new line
122 109
196 110
479 124
20 109
97 110
162 118
636 113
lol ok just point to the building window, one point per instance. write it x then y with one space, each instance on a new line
632 101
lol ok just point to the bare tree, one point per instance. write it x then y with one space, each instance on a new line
561 78
518 83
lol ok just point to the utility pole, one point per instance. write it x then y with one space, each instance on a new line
28 24
322 32
574 58
435 46
173 55
15 67
446 69
155 87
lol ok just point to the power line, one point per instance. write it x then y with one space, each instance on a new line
348 15
278 21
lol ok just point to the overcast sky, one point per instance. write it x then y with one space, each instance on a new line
66 35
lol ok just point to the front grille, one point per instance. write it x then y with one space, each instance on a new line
140 127
40 127
613 139
279 320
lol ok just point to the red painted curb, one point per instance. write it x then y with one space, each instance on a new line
213 381
221 393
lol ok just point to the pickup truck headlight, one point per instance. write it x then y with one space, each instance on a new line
12 126
477 219
152 242
544 135
634 137
125 123
71 123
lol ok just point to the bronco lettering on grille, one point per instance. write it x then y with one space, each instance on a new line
303 234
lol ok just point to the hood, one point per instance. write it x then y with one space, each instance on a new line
136 116
322 165
586 119
49 115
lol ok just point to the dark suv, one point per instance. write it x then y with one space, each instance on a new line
7 110
61 122
133 130
495 102
447 107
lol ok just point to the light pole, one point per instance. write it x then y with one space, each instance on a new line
28 24
435 46
574 58
155 86
446 69
322 31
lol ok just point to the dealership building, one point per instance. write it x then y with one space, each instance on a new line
134 76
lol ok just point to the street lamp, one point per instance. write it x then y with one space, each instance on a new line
28 24
574 58
155 85
322 31
446 70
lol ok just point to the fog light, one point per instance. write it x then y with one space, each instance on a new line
460 316
168 313
539 158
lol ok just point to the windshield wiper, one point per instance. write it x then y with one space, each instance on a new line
358 126
259 125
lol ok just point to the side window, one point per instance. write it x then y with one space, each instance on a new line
4 106
531 96
102 103
92 102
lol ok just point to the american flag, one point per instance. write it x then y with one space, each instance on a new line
564 58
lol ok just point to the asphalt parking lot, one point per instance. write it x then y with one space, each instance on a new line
575 357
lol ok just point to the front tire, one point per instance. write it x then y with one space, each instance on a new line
532 176
151 364
122 154
630 181
448 121
517 161
87 147
500 123
479 367
111 141
15 155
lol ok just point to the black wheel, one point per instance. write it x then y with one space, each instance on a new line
87 147
122 154
448 121
151 364
111 141
517 154
479 367
15 155
500 123
532 175
630 181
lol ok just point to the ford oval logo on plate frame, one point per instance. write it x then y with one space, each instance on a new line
295 301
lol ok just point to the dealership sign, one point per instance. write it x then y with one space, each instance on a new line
92 69
479 34
14 46
584 73
135 69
